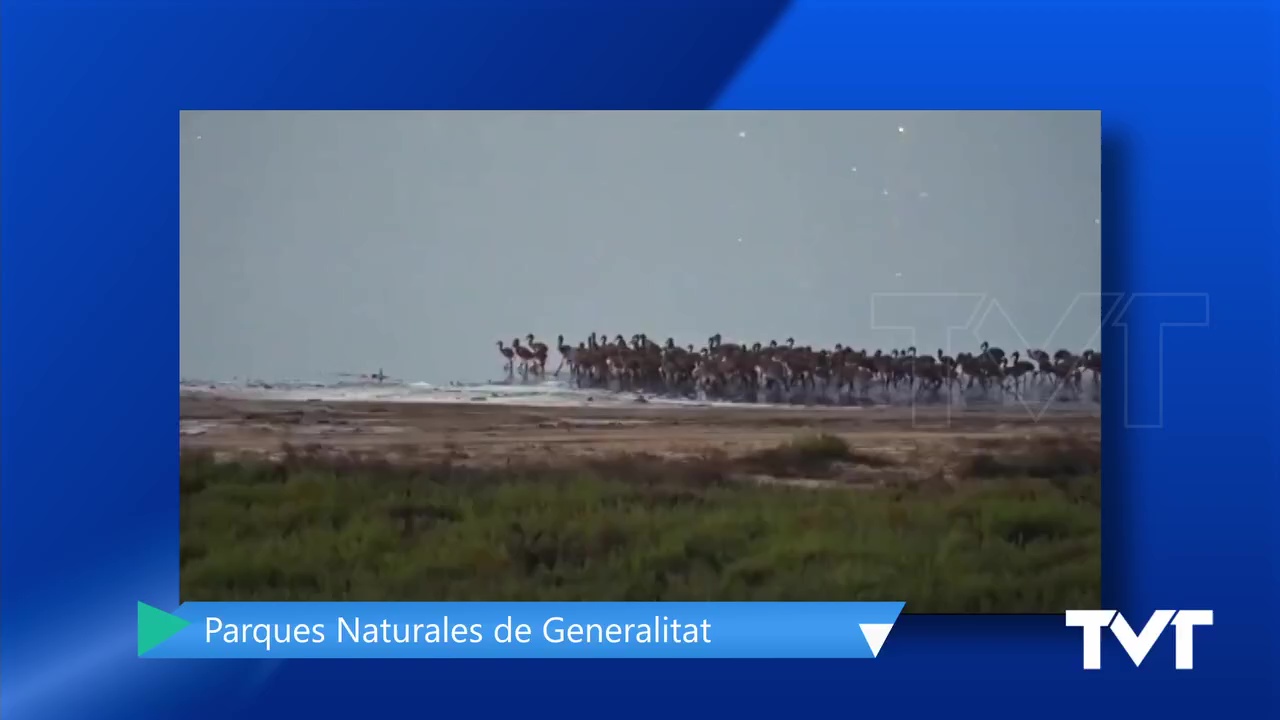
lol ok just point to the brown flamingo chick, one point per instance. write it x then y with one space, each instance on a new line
525 354
509 354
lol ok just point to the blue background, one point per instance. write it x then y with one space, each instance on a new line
90 94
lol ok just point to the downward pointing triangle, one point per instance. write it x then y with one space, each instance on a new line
875 633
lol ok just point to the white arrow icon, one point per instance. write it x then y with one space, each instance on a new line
875 633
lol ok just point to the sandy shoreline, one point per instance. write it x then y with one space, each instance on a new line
482 432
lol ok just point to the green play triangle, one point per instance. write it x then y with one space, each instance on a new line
156 626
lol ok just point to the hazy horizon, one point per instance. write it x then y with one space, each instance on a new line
314 243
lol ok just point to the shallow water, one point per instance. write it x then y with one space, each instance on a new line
548 393
559 393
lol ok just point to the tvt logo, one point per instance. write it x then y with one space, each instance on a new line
1138 645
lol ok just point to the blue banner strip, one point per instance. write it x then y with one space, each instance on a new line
524 630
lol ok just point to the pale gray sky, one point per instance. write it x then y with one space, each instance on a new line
322 242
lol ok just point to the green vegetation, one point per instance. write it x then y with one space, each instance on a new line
809 456
1013 532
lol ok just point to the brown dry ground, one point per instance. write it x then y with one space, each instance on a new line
924 440
975 511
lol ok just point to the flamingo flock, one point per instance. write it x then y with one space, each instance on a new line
785 372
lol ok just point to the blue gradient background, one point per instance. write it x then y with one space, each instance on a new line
89 319
734 629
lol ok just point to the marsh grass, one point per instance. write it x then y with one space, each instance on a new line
318 527
809 456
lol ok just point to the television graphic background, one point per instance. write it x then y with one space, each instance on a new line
89 304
